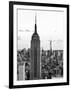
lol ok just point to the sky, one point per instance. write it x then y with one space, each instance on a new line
50 26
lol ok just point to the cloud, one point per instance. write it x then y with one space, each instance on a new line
21 30
27 30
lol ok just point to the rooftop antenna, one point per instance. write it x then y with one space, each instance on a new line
35 22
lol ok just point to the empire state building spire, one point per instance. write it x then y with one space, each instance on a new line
35 55
35 24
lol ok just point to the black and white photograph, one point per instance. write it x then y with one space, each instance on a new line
39 44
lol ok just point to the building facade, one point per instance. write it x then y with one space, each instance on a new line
35 55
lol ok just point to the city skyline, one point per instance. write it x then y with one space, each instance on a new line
47 31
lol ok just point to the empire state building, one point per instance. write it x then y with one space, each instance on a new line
35 55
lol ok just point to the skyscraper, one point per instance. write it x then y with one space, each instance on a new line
35 55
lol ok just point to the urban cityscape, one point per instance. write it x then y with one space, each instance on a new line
51 64
34 64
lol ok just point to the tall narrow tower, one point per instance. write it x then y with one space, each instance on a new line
35 55
50 47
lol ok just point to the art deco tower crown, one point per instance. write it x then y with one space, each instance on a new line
35 34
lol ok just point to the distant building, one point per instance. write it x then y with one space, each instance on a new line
35 55
21 71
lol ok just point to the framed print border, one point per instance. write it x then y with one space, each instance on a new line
11 38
